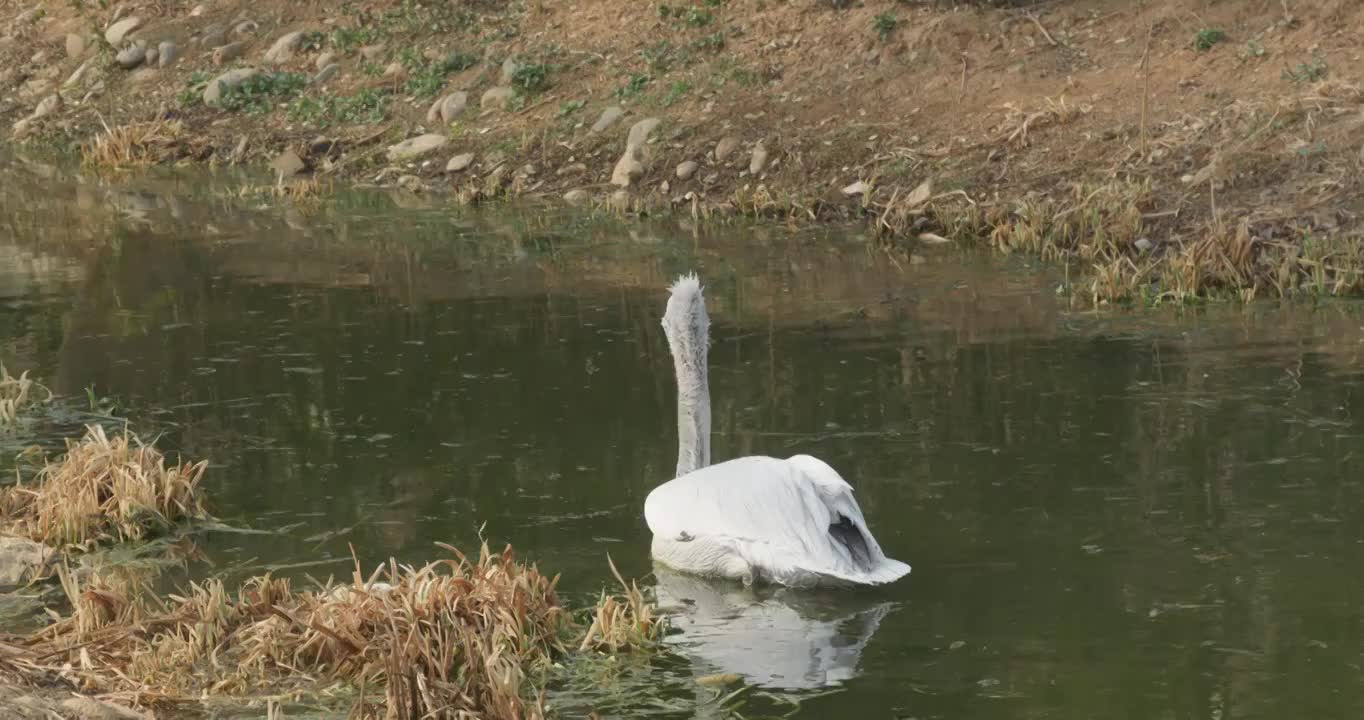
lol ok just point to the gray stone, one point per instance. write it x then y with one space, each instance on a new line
416 147
687 169
608 117
120 30
168 53
459 162
76 45
22 560
214 36
726 147
758 161
326 73
325 59
855 189
150 55
1144 244
575 196
288 164
48 106
227 53
199 10
509 68
284 48
130 57
453 105
246 27
230 80
496 98
634 163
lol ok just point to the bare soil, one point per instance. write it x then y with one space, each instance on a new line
1168 122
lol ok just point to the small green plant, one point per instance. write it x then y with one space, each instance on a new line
314 40
666 11
426 77
697 17
632 87
366 106
885 24
1252 49
194 88
1207 37
570 107
348 39
714 42
676 91
1307 72
531 78
259 94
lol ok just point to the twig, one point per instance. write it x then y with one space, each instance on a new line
1041 27
1145 86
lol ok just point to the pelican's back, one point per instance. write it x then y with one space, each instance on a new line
793 522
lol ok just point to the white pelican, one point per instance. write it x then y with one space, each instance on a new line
790 522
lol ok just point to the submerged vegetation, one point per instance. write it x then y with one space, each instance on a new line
18 394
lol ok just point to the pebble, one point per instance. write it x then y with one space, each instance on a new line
453 105
284 48
214 36
168 53
372 52
416 147
75 45
213 92
130 57
758 161
48 106
575 196
509 68
608 117
496 98
199 10
1144 244
325 59
459 162
857 188
227 53
394 71
288 164
326 73
121 29
633 163
687 169
246 27
726 147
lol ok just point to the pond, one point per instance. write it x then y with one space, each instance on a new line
1116 514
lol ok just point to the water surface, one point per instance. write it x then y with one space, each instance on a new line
1151 515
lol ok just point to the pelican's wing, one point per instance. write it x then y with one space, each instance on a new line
773 514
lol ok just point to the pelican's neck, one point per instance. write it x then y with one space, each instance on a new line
687 327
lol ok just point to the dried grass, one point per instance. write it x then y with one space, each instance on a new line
104 490
134 145
458 638
17 394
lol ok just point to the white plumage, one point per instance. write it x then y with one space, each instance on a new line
793 522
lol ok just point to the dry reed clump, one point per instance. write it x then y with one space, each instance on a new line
104 489
134 145
457 638
18 394
622 622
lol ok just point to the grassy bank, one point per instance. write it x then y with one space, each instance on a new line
1163 155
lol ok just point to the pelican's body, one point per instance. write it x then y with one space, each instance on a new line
756 519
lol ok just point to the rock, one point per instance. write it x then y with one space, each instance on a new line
575 196
509 68
214 36
325 59
572 169
1144 245
120 30
453 105
48 106
326 73
411 183
496 98
416 147
284 48
199 10
758 161
855 189
288 164
394 71
608 117
372 53
150 56
687 169
22 560
459 162
144 74
75 45
20 127
229 52
78 73
633 164
86 708
167 52
246 27
726 147
130 57
230 80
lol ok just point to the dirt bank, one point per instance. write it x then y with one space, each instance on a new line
1167 149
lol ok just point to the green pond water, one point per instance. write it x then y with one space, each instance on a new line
1115 515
